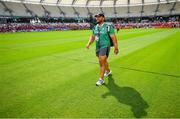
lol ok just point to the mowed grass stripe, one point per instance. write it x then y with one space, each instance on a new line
164 53
30 37
62 40
30 52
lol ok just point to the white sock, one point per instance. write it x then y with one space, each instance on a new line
101 79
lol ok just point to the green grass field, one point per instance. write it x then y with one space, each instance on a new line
52 74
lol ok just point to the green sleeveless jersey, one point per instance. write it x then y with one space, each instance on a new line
101 35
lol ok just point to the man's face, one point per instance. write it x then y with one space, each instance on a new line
99 19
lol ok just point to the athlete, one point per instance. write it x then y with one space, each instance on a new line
104 35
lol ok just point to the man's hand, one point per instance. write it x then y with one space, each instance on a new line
116 51
88 46
91 40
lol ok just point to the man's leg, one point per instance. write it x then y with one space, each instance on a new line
102 63
102 55
107 66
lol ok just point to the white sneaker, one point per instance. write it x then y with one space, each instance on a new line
100 82
106 74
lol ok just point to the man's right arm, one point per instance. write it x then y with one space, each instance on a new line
91 40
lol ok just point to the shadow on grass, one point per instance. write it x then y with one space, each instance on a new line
128 96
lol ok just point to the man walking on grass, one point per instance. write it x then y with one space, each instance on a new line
105 38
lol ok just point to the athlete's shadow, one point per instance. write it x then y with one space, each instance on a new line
128 96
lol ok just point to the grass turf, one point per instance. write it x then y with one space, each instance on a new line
51 74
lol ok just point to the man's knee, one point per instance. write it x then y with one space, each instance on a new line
102 60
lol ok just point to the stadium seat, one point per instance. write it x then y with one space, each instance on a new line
150 1
135 11
122 11
177 8
82 11
80 2
94 10
68 11
50 1
18 9
54 11
134 2
2 11
121 2
38 10
149 9
65 2
107 3
94 3
108 11
164 8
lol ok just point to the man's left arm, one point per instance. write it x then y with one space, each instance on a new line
115 43
114 40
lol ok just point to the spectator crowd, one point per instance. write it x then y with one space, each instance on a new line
121 23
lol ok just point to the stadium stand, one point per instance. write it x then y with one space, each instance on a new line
80 8
17 9
149 10
135 10
121 2
80 2
69 11
2 9
82 11
94 2
66 2
50 1
53 10
108 11
95 10
44 15
31 1
164 8
123 11
37 10
107 3
176 9
135 1
150 1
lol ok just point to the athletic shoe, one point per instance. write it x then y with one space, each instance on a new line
106 74
100 82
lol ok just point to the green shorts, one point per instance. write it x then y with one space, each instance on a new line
103 51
